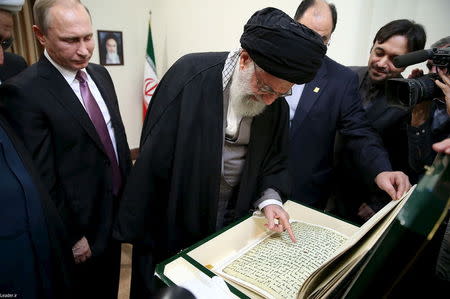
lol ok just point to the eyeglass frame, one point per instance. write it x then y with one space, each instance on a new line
264 88
6 43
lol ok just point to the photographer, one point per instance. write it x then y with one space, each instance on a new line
430 123
430 120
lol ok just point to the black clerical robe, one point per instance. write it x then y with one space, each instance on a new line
171 198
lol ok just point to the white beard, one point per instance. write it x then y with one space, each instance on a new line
242 98
112 58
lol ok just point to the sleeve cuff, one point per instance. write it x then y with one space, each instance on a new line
267 202
268 194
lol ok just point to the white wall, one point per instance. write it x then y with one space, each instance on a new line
184 26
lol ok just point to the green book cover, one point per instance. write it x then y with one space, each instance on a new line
406 238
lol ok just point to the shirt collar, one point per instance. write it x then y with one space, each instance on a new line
68 75
230 64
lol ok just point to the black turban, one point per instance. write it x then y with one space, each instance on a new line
283 47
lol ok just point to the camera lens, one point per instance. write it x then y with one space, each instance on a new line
406 93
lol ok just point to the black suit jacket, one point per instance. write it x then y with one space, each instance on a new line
330 103
66 148
391 124
12 65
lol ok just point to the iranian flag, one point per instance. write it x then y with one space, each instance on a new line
150 79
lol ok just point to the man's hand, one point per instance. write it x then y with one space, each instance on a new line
81 251
445 87
273 212
443 146
420 112
416 73
395 183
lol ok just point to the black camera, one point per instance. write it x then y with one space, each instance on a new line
406 93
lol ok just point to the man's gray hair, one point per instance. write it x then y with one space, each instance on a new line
442 42
41 8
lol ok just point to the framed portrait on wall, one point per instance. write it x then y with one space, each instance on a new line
110 47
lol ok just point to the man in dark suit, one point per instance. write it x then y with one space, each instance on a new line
324 106
66 111
395 38
10 64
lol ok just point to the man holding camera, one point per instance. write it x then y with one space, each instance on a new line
430 123
357 199
430 120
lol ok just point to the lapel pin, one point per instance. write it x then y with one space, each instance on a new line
316 90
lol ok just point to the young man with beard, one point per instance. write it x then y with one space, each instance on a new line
327 105
360 198
214 143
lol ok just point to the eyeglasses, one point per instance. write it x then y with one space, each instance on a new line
263 88
6 43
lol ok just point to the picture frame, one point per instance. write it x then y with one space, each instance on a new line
110 47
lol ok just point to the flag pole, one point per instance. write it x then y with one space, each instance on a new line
150 78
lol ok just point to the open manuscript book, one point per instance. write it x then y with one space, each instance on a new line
314 267
332 258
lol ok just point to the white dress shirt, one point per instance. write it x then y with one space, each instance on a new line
293 99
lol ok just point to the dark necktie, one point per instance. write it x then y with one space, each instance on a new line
96 116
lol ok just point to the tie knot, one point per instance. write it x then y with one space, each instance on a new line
81 76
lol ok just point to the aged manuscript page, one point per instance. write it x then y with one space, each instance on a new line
278 266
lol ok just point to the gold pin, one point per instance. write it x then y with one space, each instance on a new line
316 90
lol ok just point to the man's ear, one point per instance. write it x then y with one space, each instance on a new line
39 35
244 59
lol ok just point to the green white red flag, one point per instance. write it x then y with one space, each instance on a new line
150 78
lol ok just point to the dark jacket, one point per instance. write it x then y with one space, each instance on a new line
330 103
66 149
390 123
172 194
35 254
12 65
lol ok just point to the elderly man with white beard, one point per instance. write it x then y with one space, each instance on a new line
214 143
